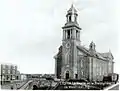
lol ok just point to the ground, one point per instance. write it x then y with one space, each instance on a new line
14 85
43 84
115 88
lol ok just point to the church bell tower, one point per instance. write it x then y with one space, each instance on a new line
71 30
71 39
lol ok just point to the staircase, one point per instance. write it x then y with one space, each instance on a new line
25 86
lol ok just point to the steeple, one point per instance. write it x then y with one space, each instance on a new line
71 18
72 14
71 29
72 10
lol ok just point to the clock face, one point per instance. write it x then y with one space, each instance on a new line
68 45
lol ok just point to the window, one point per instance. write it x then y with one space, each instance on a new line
17 78
81 63
82 73
76 34
71 33
8 71
13 71
13 67
6 66
3 77
68 34
7 77
101 71
9 67
69 18
3 66
3 71
13 77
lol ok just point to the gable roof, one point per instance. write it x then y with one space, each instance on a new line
85 50
107 55
59 54
103 56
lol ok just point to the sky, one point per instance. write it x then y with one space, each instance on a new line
31 33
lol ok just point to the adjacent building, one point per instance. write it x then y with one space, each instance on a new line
9 73
74 61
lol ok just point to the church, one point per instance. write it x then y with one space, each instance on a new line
74 61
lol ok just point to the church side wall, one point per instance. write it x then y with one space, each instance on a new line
99 69
90 75
85 67
110 67
82 65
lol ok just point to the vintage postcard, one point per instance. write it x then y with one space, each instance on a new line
59 44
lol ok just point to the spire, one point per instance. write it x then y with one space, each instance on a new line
72 14
72 9
109 51
71 17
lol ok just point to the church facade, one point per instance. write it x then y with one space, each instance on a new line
74 61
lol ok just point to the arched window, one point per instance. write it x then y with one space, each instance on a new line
76 34
81 63
67 59
82 72
68 34
69 18
101 71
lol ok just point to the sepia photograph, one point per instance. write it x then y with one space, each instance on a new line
59 44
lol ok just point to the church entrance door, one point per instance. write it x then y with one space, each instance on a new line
67 75
76 76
